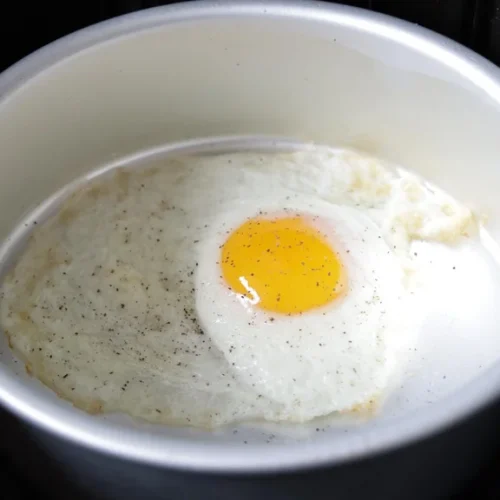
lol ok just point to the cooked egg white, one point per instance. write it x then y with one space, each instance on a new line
144 294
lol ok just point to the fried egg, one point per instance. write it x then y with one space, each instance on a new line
211 289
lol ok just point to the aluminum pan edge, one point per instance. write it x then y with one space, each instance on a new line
176 452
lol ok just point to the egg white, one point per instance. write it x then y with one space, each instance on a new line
113 304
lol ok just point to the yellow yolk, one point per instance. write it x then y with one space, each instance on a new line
283 265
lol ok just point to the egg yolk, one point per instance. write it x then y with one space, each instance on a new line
282 265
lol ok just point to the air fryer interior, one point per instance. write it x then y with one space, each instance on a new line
104 96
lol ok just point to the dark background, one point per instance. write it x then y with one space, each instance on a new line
26 26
